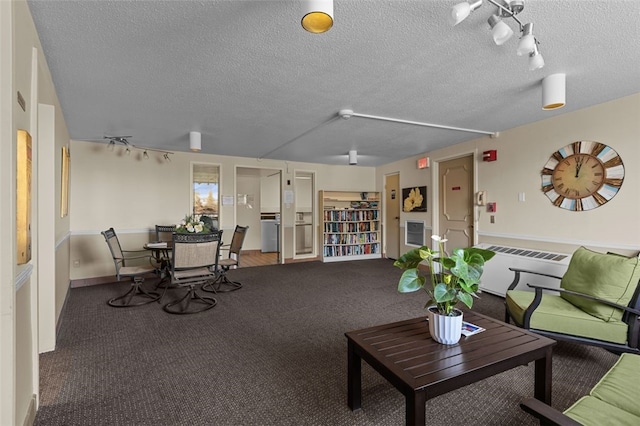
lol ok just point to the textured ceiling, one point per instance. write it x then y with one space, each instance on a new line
255 84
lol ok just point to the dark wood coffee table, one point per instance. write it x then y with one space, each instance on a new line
420 368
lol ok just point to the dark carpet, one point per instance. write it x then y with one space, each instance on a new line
272 353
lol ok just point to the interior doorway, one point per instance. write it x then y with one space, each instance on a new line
258 193
392 215
455 202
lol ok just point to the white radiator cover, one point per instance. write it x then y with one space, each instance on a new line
497 276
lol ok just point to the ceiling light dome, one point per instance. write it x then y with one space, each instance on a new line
318 16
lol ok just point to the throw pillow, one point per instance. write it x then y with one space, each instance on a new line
605 276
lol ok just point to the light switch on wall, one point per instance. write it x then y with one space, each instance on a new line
521 197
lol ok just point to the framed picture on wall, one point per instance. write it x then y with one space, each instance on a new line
414 199
64 183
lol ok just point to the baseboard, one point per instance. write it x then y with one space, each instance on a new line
30 417
85 282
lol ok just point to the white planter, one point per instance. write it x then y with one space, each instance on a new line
445 329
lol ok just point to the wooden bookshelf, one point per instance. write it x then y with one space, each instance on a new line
350 225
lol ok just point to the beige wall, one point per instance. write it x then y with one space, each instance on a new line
522 153
23 69
110 189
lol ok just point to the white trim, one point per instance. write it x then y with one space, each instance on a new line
64 238
118 231
23 276
561 241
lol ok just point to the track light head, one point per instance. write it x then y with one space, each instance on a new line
461 11
500 31
527 41
536 61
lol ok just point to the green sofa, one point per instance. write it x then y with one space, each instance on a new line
613 401
598 302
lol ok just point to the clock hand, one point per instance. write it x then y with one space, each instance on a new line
578 166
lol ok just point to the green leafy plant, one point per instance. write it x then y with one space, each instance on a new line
190 224
454 280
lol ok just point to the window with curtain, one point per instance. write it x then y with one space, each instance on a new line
206 185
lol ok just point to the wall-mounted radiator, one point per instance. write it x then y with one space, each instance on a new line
497 276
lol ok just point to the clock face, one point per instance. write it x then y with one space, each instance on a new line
582 175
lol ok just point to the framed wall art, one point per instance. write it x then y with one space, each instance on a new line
414 199
23 197
64 184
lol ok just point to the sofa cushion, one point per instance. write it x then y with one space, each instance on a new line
618 387
606 276
589 410
557 315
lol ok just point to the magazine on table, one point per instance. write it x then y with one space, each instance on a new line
469 329
157 244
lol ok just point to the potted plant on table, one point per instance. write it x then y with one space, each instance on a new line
452 279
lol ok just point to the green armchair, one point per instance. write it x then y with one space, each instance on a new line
613 401
598 302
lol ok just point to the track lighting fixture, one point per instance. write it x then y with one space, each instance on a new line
500 31
129 147
318 16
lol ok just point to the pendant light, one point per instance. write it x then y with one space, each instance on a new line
195 141
553 91
353 157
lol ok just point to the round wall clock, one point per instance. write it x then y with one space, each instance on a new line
582 175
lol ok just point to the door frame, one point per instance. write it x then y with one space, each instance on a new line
435 192
388 221
314 215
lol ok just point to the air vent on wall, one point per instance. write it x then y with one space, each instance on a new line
555 257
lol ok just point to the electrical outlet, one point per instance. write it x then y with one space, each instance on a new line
492 219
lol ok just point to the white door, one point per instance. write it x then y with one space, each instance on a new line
456 202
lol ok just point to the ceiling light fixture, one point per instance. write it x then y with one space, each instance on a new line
553 91
195 141
353 157
318 16
113 140
500 31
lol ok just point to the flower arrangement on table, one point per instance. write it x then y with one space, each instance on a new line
191 225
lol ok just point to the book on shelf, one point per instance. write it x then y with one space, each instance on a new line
469 329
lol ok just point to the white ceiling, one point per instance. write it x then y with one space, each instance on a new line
255 84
